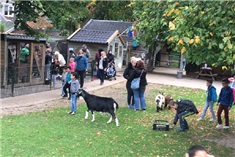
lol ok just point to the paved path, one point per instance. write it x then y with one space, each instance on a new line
43 97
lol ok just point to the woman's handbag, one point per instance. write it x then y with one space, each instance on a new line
135 83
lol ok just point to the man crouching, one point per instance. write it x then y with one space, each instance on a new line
184 108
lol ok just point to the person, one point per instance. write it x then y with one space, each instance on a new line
196 151
54 71
111 62
126 74
102 66
232 85
61 60
211 98
184 108
225 102
97 57
110 57
141 72
86 51
81 66
71 53
74 87
63 79
24 63
72 64
67 83
48 61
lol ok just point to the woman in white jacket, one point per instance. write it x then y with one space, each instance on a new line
61 60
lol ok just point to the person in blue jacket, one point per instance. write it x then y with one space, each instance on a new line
225 103
211 98
81 67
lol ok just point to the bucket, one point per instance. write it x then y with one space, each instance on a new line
179 74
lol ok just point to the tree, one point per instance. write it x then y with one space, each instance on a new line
65 15
113 10
201 30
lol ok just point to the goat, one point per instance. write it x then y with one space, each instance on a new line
100 104
162 101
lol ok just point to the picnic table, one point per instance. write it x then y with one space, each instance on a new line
206 72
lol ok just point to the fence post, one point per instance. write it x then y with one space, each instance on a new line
13 81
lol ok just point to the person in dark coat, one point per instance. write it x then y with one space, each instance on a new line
184 108
102 67
139 97
129 69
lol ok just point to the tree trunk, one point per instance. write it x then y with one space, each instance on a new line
150 56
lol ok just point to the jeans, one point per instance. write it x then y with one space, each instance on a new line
226 114
209 104
54 79
62 84
74 102
100 74
139 98
183 122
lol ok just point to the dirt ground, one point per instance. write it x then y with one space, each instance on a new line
110 91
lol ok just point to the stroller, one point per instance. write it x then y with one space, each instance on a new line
111 72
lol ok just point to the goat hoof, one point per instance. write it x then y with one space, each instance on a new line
86 118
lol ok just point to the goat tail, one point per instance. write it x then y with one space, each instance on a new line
115 106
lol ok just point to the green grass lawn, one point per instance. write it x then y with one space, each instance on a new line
55 133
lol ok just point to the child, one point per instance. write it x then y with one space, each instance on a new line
225 103
211 98
74 87
232 85
184 108
72 64
63 78
67 83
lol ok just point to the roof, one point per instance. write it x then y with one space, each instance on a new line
23 37
91 36
41 23
100 31
107 25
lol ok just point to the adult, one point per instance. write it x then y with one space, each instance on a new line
81 67
102 66
111 62
61 61
48 61
71 53
141 72
110 57
24 63
86 51
129 69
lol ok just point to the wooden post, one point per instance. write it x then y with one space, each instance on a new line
31 62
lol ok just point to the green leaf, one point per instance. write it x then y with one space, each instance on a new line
221 46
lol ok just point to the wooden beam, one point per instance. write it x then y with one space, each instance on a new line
73 34
112 36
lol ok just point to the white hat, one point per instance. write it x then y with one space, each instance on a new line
70 49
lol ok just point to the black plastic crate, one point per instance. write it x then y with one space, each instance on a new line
161 125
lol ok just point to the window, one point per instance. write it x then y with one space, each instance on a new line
116 50
120 51
8 10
